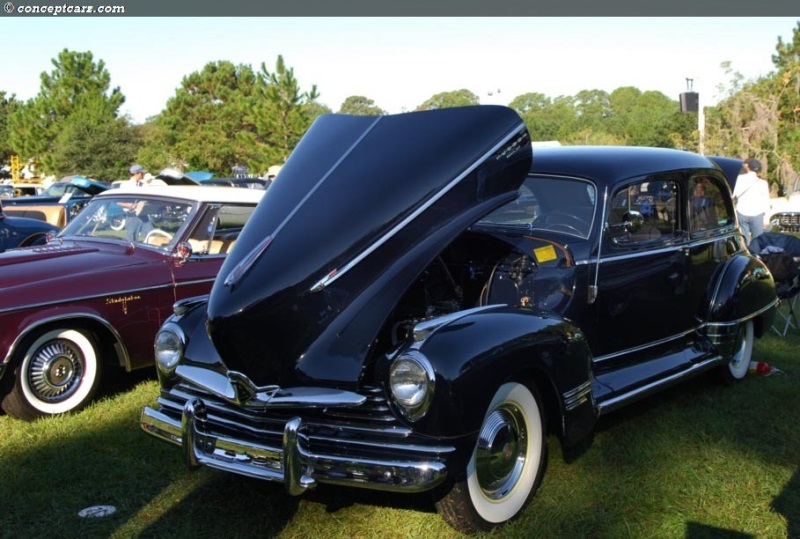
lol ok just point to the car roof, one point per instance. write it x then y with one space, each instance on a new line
610 164
191 192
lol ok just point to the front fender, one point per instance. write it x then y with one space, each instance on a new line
743 289
474 354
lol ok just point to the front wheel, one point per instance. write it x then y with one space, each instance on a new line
59 372
739 363
506 466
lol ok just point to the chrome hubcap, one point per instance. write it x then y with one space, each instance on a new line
500 455
55 371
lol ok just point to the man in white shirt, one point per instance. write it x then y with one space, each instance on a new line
751 196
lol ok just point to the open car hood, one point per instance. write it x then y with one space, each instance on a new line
362 206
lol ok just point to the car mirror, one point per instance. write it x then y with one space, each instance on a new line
182 252
632 221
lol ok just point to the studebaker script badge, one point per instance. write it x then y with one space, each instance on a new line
123 300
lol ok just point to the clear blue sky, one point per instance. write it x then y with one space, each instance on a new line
400 62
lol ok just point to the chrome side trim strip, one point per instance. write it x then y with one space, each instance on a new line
744 318
635 349
70 301
621 400
336 273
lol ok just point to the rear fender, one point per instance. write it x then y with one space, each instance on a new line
474 354
744 288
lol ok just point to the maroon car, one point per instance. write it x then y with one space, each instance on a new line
94 297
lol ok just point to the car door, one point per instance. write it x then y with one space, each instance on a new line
211 239
643 295
712 227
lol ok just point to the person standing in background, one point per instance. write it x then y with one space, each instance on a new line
751 197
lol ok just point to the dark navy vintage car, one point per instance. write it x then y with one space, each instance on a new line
22 232
422 298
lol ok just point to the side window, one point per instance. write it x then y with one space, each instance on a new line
709 208
217 231
643 213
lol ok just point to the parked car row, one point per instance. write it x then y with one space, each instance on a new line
422 298
93 297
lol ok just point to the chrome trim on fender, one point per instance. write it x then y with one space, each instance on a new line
426 328
336 273
577 396
750 316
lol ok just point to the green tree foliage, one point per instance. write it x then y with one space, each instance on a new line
625 117
77 83
8 105
204 125
787 54
360 106
457 98
92 144
282 114
747 123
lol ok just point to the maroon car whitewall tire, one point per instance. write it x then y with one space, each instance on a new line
59 372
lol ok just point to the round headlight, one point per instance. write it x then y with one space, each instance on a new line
168 348
411 380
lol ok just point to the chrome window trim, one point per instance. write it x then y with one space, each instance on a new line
336 273
686 244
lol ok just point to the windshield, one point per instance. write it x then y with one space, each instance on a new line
147 221
545 203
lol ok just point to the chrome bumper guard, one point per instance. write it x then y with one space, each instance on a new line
293 464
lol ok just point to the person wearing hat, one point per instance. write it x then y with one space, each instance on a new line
137 175
751 196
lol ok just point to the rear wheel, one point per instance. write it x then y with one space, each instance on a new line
59 372
506 466
737 366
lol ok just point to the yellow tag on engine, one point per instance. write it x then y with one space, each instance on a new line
545 254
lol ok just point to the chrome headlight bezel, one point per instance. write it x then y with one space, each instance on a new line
412 382
169 346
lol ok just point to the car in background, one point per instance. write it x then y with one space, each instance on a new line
22 232
92 299
6 190
423 297
785 214
59 203
24 189
248 183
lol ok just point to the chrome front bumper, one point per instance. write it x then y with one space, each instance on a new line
204 444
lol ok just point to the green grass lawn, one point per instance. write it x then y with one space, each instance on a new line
701 460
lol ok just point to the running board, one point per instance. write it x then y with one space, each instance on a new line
623 399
